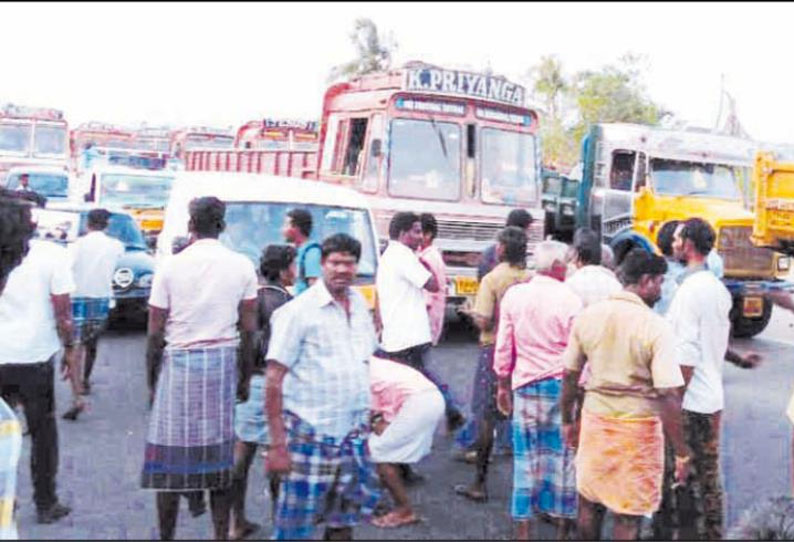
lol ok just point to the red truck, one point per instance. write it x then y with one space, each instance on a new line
460 145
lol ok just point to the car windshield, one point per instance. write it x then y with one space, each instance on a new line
47 184
135 190
15 137
198 141
49 140
425 159
682 178
508 167
252 226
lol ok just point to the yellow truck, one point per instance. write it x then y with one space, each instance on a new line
636 178
773 182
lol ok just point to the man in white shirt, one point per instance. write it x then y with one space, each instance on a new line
94 259
591 281
699 314
202 317
401 279
35 321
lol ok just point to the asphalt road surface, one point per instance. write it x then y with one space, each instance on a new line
101 454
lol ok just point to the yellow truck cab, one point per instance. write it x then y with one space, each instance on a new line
636 178
256 206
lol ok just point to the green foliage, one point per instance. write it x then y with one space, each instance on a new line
372 55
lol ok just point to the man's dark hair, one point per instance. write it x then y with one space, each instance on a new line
664 239
301 219
401 222
700 233
16 230
587 245
429 224
98 219
207 214
639 262
341 242
514 241
274 260
29 195
519 218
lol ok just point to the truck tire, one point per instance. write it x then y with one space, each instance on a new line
744 328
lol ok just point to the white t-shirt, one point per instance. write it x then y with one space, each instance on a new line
28 333
699 316
94 259
202 287
402 302
593 283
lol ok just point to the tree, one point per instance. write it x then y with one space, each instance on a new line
549 83
373 55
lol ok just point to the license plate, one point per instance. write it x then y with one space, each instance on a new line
753 307
466 285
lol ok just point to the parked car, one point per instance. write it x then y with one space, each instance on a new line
132 280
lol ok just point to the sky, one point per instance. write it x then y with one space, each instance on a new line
226 63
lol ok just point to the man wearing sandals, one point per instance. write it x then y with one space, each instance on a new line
317 399
407 408
535 322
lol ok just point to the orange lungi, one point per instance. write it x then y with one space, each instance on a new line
620 463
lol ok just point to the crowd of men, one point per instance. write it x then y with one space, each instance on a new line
606 398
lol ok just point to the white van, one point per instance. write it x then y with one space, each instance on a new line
256 205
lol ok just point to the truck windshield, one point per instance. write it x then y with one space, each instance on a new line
508 167
425 159
682 178
135 190
15 137
47 184
49 140
251 226
198 141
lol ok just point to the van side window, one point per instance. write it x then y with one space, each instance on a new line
355 145
622 170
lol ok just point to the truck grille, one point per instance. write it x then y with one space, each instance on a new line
741 256
484 231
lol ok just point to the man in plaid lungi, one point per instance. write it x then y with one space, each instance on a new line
535 320
202 320
94 259
318 402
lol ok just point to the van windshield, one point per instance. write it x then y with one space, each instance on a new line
135 190
425 159
682 178
251 226
47 184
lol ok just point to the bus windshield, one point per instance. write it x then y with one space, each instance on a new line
682 178
425 159
15 137
508 167
49 140
251 226
135 190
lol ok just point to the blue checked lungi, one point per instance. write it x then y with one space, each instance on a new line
543 467
190 442
10 450
250 422
331 481
89 315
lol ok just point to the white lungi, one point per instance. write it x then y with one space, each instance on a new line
409 436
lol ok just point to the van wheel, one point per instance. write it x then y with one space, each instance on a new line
744 328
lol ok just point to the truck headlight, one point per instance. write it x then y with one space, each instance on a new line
783 263
145 281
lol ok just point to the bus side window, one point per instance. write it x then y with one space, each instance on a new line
355 146
622 170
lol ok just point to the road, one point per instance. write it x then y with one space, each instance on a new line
101 454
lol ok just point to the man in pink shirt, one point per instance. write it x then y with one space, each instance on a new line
436 301
535 322
406 409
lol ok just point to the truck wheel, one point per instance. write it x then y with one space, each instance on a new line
744 328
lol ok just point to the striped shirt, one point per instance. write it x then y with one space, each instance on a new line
327 354
10 449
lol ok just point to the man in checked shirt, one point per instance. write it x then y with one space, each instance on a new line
317 402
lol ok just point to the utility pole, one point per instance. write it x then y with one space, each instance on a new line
722 95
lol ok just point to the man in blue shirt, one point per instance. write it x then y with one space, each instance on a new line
297 229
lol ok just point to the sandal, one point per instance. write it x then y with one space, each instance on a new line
466 491
73 412
393 521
